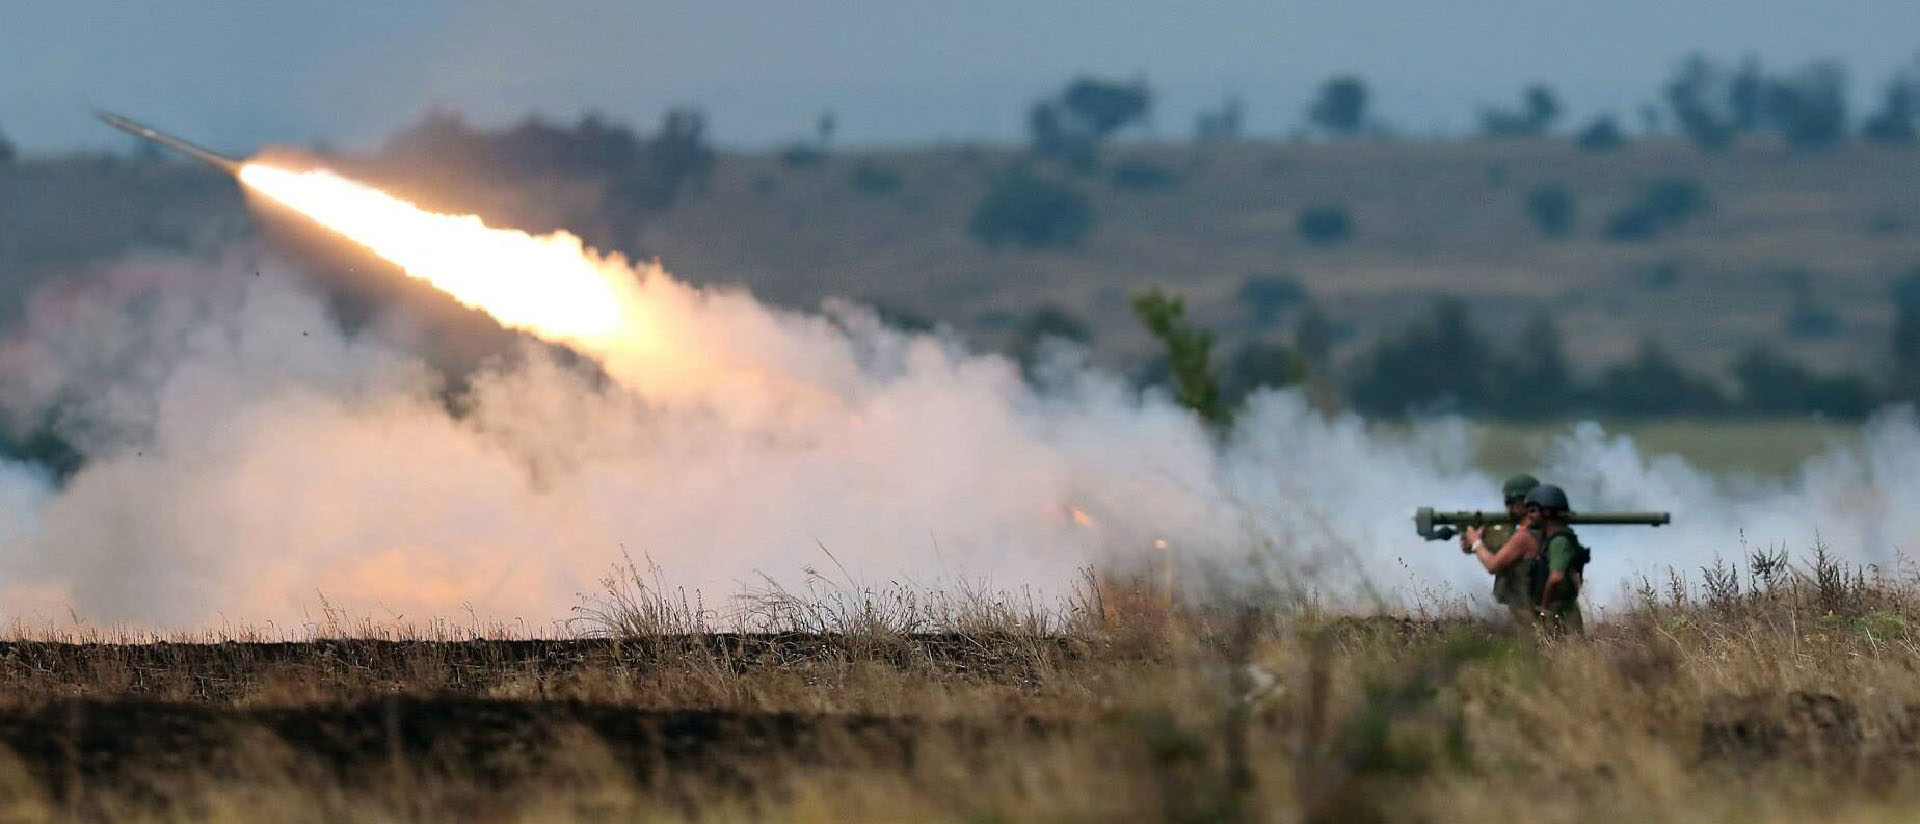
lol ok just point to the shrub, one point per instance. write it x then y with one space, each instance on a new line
1893 124
1188 349
1666 204
1221 124
1325 225
1661 276
1048 322
1261 364
1654 385
802 156
1341 108
873 179
1810 106
1770 384
1031 212
1266 296
1539 106
1144 176
1550 207
1676 199
1602 135
1439 365
1632 223
1906 288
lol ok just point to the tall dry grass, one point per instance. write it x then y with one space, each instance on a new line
1771 689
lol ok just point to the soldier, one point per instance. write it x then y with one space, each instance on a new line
1503 549
1558 572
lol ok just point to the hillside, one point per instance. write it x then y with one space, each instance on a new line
1429 219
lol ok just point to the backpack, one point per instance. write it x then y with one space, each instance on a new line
1540 567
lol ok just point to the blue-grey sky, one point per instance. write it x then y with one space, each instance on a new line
234 74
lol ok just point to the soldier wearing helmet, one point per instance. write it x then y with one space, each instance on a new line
1505 550
1558 571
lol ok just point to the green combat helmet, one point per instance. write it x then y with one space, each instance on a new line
1518 486
1548 497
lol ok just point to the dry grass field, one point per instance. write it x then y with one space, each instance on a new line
1770 693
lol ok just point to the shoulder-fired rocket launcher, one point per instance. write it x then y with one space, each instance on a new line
1440 525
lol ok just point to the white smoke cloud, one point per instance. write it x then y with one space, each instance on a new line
246 458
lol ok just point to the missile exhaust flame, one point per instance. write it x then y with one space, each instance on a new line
550 285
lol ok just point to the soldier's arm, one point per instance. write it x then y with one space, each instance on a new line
1510 552
1554 579
1559 559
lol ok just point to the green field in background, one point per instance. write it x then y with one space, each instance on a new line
1722 447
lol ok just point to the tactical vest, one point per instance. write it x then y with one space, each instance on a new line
1541 567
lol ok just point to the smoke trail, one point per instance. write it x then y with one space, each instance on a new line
246 457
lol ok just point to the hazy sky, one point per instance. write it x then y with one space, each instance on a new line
239 73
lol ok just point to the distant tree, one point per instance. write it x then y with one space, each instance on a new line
1810 106
1906 336
1314 337
1266 296
1631 224
1551 209
1536 381
1032 212
1259 364
1048 322
900 317
1665 204
1747 96
1661 276
1770 384
1539 107
1894 123
1439 365
1601 135
1106 106
1906 288
824 128
1654 385
1325 225
802 155
1143 176
1542 106
1698 97
644 174
1222 124
1051 136
1651 120
1676 199
1189 350
679 153
870 178
1341 108
7 150
1805 317
1070 127
1715 105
